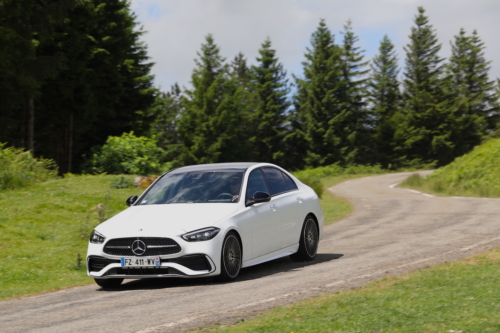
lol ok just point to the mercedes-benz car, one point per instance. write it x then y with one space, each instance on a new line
207 220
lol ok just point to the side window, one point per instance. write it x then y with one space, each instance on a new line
256 183
276 180
289 182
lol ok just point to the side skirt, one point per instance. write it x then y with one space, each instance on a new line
271 256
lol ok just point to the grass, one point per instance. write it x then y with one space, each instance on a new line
439 187
476 174
44 229
457 297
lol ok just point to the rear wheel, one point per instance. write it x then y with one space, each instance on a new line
108 283
308 243
230 258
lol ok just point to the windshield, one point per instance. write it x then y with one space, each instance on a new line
195 187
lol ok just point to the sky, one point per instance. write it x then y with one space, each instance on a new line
175 29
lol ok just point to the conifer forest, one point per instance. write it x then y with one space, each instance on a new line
77 88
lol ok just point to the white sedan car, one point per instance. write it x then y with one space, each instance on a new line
207 220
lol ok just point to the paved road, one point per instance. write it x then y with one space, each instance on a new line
392 231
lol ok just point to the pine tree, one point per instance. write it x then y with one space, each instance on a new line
271 88
317 117
104 88
166 111
469 71
211 124
24 26
353 97
424 132
384 99
471 125
239 67
496 132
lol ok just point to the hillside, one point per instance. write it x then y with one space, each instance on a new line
474 174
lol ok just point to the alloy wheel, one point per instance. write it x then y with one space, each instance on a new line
311 237
232 256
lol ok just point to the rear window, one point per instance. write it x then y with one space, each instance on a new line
289 182
276 180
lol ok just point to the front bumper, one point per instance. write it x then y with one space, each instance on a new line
196 265
195 259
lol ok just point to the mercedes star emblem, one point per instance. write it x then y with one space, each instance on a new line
138 247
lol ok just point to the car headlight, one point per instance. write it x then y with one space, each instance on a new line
97 238
201 234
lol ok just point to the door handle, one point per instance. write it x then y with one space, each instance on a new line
299 199
273 207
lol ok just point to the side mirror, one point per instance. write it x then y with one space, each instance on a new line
259 197
130 201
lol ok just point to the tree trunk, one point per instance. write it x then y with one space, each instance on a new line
31 125
70 141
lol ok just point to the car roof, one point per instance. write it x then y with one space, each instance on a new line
240 166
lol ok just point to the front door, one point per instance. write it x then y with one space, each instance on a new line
266 226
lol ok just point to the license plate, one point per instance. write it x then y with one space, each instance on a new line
140 262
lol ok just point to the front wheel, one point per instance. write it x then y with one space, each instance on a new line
230 258
308 243
108 283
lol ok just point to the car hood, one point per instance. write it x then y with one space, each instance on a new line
164 220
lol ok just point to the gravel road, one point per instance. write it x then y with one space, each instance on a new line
392 231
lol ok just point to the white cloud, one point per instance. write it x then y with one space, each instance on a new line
176 28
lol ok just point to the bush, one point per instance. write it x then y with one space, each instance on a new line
128 154
313 183
18 168
337 170
122 182
413 180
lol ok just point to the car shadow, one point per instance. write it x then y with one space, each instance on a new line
283 265
277 266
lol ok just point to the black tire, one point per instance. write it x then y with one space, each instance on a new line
108 283
231 258
308 243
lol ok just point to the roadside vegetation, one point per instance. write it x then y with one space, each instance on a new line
44 231
455 297
18 168
476 174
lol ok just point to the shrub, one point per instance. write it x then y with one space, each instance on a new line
18 168
413 180
313 183
122 182
128 154
337 170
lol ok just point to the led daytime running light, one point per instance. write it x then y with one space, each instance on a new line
201 235
97 238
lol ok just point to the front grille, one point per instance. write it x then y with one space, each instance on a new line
195 262
155 246
97 263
